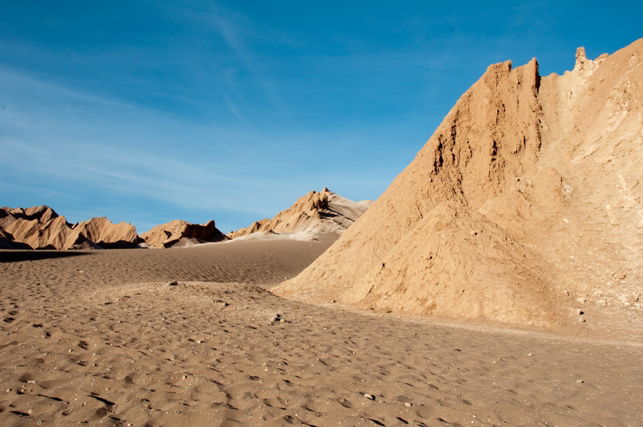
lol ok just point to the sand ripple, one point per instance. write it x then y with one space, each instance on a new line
78 347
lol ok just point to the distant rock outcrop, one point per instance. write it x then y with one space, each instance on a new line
40 227
523 207
102 232
316 212
179 233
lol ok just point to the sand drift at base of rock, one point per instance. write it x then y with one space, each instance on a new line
199 353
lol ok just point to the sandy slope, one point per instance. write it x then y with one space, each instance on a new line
103 337
524 207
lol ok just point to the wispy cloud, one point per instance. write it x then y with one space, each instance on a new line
233 28
55 137
55 133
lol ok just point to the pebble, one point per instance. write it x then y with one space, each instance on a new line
408 404
369 396
277 318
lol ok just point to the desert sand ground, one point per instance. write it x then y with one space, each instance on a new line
103 337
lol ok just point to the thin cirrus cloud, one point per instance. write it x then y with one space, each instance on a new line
65 135
57 136
152 111
230 32
244 71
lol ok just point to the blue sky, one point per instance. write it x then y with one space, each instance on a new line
146 111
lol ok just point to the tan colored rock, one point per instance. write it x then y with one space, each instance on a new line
526 199
40 227
6 242
179 232
42 214
6 217
106 234
316 212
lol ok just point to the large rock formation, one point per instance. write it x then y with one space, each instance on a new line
315 213
523 207
40 227
103 233
179 233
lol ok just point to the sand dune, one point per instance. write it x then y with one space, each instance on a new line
105 337
524 207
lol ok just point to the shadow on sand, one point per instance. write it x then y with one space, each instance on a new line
32 255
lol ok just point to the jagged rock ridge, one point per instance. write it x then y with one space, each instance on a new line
524 207
40 227
181 233
317 212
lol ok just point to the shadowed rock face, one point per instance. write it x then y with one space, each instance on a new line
7 242
179 232
318 211
40 227
42 214
523 207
